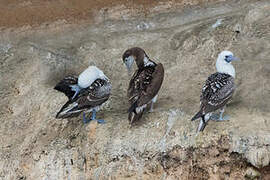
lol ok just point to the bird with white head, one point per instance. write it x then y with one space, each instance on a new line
217 90
87 93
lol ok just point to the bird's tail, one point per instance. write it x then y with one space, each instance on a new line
69 110
133 114
67 86
133 108
132 117
202 124
198 115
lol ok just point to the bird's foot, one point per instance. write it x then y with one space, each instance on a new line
86 120
75 88
100 121
93 118
217 117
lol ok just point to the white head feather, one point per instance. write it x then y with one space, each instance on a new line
88 76
223 66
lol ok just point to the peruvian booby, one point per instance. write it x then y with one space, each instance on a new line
144 84
217 90
86 93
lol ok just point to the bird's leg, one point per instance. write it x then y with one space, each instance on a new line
151 107
75 88
100 121
85 119
152 104
220 117
93 117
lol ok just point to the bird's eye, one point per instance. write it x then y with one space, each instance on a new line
226 56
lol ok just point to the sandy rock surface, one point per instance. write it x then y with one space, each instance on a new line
163 145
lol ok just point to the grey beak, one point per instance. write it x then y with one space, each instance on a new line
235 58
129 70
128 62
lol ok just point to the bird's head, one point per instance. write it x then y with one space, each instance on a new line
227 56
133 54
223 63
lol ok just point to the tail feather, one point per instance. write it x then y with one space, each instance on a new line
133 108
198 115
132 117
65 86
69 110
133 114
202 124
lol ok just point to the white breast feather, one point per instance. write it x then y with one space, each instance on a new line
88 76
147 62
224 67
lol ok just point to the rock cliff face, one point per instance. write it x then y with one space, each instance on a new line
163 145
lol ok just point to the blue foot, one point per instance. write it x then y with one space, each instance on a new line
101 121
218 117
85 119
225 118
93 118
75 88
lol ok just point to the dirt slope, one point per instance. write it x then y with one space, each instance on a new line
16 13
35 145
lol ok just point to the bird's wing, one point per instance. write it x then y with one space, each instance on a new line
146 85
95 95
217 90
133 92
65 86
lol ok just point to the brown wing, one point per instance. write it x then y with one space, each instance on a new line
153 87
217 91
93 96
65 86
145 85
133 92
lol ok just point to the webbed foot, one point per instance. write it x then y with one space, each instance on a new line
93 118
75 88
100 121
85 119
219 117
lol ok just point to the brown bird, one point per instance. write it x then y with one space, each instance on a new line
144 84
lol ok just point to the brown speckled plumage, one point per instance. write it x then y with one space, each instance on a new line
144 84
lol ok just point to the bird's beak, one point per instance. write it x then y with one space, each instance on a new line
235 58
128 66
129 62
129 72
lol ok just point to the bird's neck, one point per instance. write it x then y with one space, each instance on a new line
147 62
223 67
